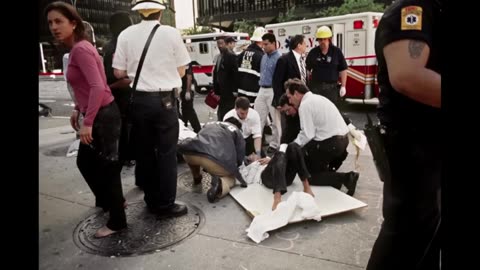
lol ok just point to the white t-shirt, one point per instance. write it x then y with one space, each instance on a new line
319 119
251 124
166 53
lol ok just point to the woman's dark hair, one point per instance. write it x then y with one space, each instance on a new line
235 121
118 22
72 15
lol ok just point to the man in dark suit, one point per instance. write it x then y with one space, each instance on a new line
225 78
290 65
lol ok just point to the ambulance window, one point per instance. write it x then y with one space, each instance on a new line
340 41
306 29
203 48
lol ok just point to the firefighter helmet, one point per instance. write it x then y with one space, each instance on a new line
258 34
323 32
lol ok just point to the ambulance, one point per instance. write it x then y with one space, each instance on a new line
354 34
203 49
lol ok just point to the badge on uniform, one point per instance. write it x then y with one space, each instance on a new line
412 18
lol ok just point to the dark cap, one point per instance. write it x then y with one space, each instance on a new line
230 39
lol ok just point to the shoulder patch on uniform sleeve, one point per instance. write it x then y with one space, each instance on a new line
412 18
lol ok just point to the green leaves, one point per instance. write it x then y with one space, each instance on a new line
351 6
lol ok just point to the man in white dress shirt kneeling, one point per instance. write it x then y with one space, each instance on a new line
323 137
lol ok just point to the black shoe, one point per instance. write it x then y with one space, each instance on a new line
176 210
351 183
215 190
45 111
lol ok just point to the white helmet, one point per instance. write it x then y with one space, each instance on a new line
148 4
258 34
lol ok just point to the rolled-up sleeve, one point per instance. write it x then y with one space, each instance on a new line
256 126
307 129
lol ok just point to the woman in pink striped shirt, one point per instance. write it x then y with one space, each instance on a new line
97 157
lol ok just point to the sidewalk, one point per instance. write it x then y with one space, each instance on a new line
338 242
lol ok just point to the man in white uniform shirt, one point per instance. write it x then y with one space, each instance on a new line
323 135
251 128
154 108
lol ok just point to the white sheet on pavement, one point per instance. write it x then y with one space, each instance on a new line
284 214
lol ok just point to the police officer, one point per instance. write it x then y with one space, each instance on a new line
327 64
225 76
249 66
121 89
186 96
407 45
154 110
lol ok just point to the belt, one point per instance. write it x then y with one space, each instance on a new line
266 86
154 94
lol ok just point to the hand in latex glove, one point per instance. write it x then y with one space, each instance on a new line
343 91
188 96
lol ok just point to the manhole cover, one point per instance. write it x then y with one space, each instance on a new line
185 180
145 233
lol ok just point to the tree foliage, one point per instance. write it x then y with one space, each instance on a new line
288 16
351 6
198 30
244 26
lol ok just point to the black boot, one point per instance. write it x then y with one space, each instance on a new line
351 183
215 190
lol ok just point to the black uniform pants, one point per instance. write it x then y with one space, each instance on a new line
188 112
122 98
155 124
323 158
226 104
98 163
409 237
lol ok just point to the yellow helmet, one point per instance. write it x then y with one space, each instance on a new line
324 32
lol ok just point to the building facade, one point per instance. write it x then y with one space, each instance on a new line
223 13
95 12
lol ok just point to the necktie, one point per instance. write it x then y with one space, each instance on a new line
303 73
